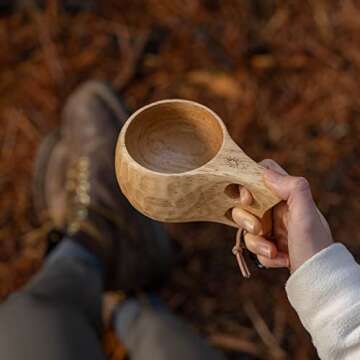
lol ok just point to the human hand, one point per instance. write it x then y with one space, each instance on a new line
299 230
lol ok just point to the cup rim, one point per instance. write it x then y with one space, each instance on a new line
121 145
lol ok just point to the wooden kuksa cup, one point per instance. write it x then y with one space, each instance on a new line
176 162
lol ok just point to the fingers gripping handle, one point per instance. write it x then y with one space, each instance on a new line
248 173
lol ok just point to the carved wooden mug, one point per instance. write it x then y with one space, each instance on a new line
176 162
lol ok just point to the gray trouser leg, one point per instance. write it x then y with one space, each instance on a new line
153 333
56 317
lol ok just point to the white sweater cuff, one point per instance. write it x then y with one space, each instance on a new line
325 292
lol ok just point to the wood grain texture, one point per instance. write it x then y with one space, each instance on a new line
175 162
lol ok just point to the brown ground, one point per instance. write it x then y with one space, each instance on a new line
284 75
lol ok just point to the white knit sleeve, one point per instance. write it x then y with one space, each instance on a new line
325 292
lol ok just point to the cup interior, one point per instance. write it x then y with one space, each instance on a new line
173 136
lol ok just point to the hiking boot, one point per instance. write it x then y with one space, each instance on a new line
75 188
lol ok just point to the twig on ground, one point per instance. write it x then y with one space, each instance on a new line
280 322
51 56
131 51
263 331
234 343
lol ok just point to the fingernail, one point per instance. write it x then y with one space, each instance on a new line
249 226
245 197
265 250
282 260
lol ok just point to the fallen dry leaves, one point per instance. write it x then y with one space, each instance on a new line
283 75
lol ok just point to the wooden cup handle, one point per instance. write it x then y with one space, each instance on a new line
235 167
263 199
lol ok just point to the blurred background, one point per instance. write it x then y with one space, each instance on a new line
284 76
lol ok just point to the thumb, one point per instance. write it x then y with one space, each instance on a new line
287 187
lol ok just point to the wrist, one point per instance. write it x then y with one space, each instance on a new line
307 251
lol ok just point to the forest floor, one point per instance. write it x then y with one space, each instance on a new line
284 76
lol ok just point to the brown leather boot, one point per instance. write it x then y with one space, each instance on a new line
75 187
